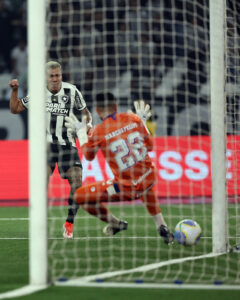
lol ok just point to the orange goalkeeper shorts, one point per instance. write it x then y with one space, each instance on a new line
110 190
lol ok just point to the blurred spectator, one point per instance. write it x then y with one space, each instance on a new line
19 22
52 42
19 60
6 31
78 67
103 68
138 19
99 19
232 52
122 46
142 59
98 65
89 36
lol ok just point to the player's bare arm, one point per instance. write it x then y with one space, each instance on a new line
86 113
15 104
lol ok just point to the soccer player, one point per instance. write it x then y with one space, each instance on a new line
124 141
62 99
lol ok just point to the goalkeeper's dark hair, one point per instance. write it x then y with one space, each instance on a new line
105 100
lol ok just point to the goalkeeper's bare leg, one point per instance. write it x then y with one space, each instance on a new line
97 193
100 211
153 207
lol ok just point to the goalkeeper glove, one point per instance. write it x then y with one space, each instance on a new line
80 128
142 110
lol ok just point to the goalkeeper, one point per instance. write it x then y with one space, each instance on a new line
124 141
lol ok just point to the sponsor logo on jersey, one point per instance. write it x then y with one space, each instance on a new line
56 109
141 178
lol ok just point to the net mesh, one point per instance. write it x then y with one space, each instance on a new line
232 38
157 51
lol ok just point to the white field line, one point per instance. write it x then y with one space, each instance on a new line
26 290
64 217
78 218
76 238
83 238
154 285
94 238
14 219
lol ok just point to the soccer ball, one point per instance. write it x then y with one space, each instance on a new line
187 232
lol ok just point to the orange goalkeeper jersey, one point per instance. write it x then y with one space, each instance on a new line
124 142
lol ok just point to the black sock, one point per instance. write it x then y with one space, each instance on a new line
72 210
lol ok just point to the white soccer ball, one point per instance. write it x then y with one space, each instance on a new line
187 232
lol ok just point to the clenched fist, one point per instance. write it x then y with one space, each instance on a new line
13 84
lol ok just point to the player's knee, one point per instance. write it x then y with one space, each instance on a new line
75 181
76 184
153 209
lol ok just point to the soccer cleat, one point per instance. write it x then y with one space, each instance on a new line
110 230
166 234
68 230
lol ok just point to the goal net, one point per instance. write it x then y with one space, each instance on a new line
232 73
158 51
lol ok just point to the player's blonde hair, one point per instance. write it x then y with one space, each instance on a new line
53 65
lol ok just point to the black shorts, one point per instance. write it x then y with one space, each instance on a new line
64 156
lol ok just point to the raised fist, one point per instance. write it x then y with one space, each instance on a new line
13 84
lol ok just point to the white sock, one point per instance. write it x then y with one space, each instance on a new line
113 220
159 220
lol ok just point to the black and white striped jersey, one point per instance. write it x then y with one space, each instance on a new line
58 106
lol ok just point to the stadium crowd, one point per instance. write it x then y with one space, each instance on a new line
100 42
157 50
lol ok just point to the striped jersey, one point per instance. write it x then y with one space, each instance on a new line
58 106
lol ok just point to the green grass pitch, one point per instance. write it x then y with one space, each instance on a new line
131 249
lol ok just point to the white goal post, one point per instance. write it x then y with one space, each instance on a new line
38 253
38 246
218 132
